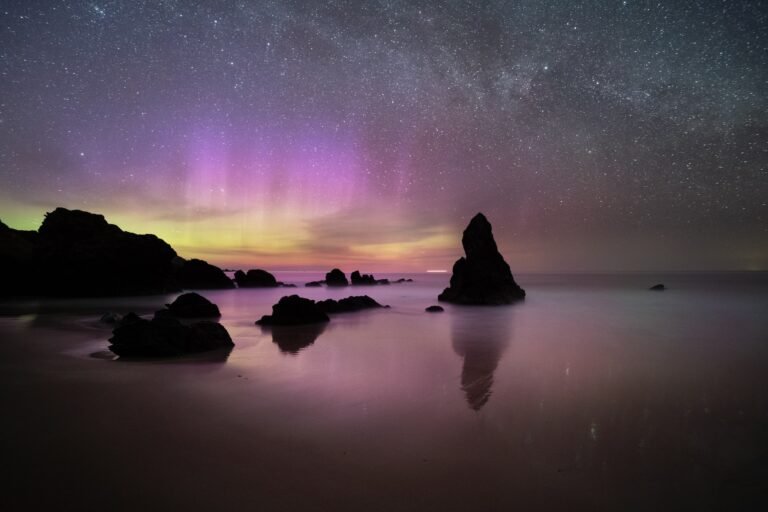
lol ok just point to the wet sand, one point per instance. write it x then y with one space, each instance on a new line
574 400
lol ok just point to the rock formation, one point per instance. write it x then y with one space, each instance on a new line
349 304
336 278
434 309
76 253
193 305
199 274
255 278
482 277
361 279
294 310
165 336
314 284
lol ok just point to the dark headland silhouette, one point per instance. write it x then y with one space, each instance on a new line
77 253
482 277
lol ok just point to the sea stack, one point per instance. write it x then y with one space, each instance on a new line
482 277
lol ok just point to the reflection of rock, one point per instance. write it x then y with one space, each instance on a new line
294 310
165 336
336 278
192 305
480 337
483 277
255 278
658 288
292 338
199 274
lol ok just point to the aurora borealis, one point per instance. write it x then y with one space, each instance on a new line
605 135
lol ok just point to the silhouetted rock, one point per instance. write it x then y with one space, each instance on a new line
76 253
336 278
199 274
404 280
293 338
192 305
286 285
314 284
361 279
294 310
255 278
382 281
482 277
434 309
349 304
165 336
658 288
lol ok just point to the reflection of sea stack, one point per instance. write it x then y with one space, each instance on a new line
480 338
482 277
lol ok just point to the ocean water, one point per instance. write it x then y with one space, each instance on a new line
592 394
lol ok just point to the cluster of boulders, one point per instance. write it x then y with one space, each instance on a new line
337 278
295 310
165 335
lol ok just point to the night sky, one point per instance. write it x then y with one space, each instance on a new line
596 136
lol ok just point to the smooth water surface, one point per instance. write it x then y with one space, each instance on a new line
593 394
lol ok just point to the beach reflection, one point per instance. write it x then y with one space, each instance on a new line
480 336
291 339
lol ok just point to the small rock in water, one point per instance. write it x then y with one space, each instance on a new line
658 287
349 304
294 310
434 309
255 278
336 278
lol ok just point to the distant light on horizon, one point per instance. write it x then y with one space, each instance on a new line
437 271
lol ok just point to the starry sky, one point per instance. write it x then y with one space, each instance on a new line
287 134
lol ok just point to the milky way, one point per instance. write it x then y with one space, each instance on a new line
295 134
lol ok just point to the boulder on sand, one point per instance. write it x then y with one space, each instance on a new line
165 336
482 277
192 305
294 310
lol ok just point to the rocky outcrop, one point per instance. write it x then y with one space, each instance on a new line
434 309
76 253
166 336
349 304
314 284
361 279
294 310
482 277
199 274
192 305
255 278
336 278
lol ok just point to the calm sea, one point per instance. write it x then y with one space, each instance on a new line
594 393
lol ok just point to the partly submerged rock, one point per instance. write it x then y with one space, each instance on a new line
482 277
658 288
255 278
404 280
192 305
349 304
336 278
294 310
199 274
434 309
361 279
314 284
165 336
